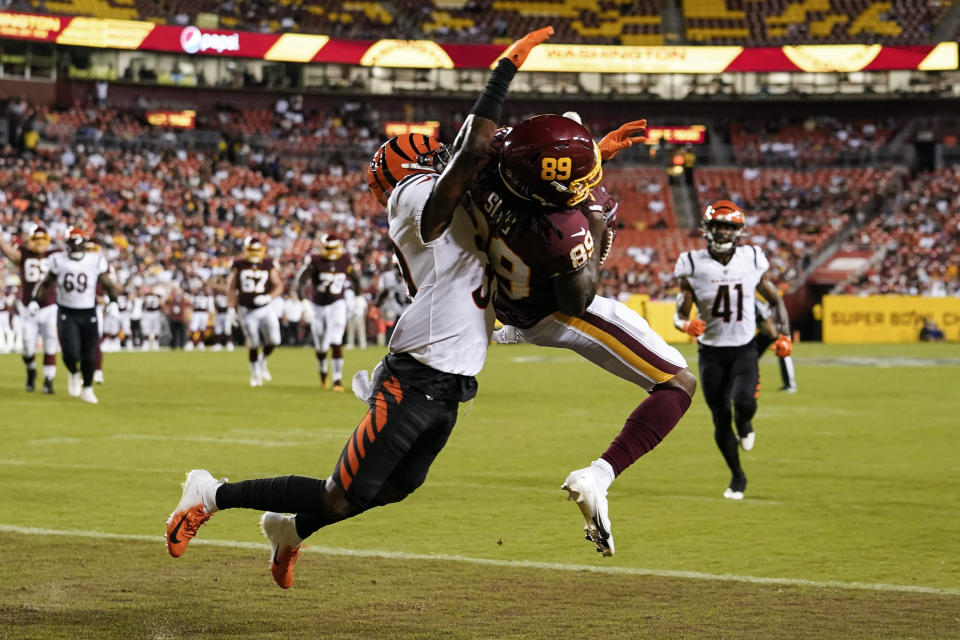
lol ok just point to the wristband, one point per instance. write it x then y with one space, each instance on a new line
490 103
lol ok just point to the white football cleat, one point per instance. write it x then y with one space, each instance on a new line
264 372
581 486
74 384
730 494
746 442
87 395
281 531
98 376
255 380
188 346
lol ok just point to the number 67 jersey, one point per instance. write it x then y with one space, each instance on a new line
724 293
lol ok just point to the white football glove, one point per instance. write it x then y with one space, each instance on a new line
262 299
33 307
506 335
231 317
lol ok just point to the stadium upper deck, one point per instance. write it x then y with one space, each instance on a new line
628 22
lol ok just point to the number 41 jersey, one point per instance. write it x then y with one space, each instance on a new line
725 293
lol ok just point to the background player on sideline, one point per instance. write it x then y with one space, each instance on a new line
37 318
325 273
722 280
252 285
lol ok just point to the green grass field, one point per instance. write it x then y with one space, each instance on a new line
850 528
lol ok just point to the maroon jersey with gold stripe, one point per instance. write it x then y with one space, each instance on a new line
33 268
329 277
253 279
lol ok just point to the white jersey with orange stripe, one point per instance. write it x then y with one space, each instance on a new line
448 324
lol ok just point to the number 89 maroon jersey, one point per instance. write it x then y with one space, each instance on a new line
529 247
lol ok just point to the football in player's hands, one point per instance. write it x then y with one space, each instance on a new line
694 327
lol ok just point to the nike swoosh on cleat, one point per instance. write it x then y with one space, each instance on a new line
276 552
173 534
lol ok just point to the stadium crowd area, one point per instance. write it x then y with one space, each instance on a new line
625 22
168 214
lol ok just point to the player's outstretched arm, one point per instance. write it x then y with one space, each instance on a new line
474 137
12 252
304 275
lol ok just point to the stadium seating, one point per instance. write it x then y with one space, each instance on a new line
790 22
916 241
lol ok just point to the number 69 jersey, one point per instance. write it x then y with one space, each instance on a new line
725 294
77 279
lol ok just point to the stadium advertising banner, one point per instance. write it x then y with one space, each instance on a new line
299 47
185 119
395 128
693 134
869 319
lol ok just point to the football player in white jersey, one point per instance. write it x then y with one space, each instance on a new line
438 347
37 318
77 273
722 280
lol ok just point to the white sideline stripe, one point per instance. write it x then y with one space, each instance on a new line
515 564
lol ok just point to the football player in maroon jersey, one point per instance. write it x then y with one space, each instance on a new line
324 274
38 318
550 227
252 285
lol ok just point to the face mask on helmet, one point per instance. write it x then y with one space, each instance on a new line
38 240
331 247
552 160
401 156
722 225
76 247
253 249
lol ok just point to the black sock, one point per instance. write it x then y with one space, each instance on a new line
727 442
285 494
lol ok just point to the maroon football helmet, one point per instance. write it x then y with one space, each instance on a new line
550 159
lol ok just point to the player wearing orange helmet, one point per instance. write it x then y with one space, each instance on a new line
722 280
435 353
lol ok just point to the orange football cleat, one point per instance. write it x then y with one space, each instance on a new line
281 531
190 513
